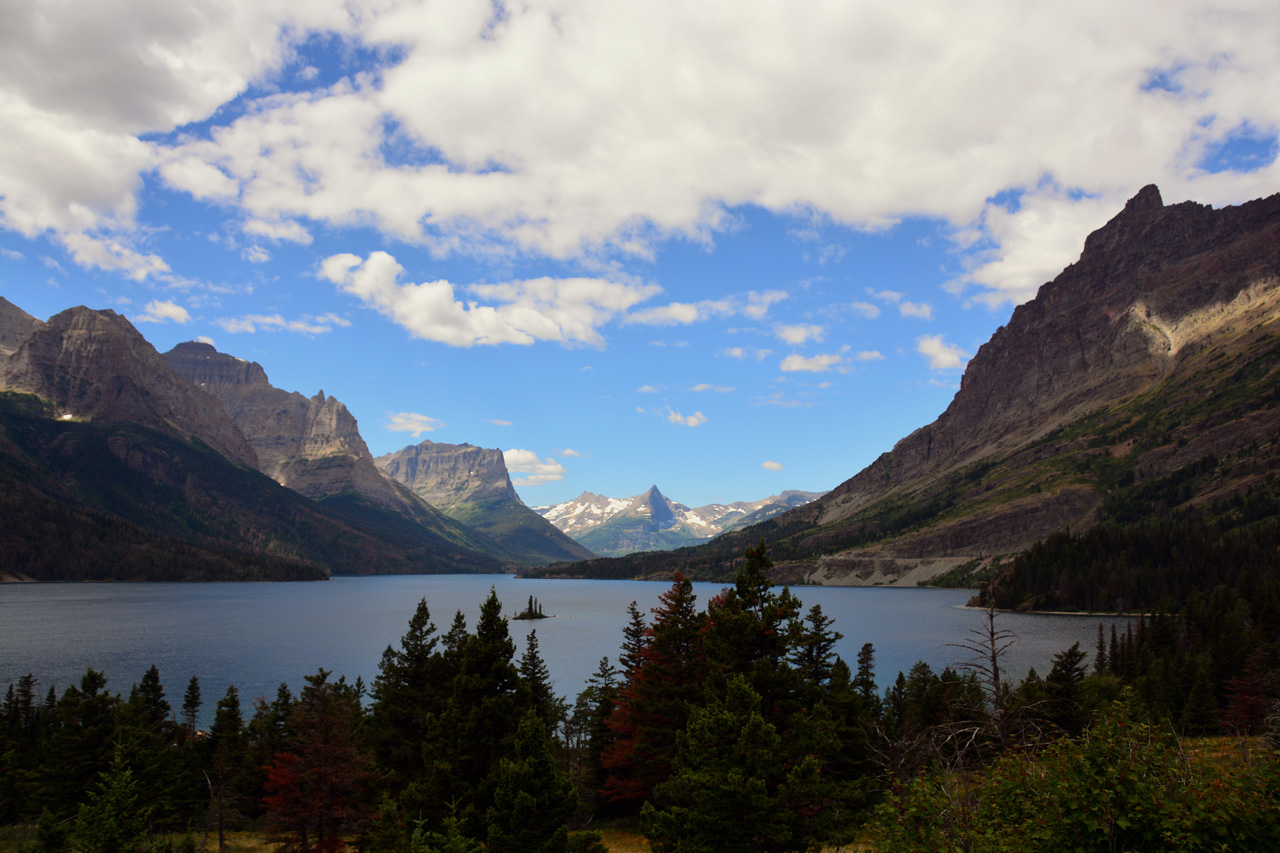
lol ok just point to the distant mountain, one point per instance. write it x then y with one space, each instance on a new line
1146 375
651 521
114 466
472 485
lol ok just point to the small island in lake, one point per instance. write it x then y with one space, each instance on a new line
533 610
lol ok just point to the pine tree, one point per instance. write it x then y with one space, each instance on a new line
532 801
112 820
653 704
191 705
728 791
537 681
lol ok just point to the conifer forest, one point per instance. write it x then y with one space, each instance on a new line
723 725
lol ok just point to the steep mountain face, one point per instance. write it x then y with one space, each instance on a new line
114 466
311 445
1156 354
16 326
449 475
651 521
472 485
95 365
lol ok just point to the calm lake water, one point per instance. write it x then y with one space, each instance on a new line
259 635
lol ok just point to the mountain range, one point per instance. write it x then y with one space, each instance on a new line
1146 374
651 521
1144 378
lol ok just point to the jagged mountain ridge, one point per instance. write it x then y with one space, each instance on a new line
1156 353
472 485
95 365
16 326
311 445
652 521
102 443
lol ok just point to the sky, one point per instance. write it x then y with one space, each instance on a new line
724 248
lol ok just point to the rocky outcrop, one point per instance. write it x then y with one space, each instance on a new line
16 326
450 475
94 365
472 485
311 445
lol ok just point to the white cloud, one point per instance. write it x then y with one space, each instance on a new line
869 355
743 353
161 312
866 309
772 466
570 310
890 296
412 422
798 334
941 355
817 364
696 419
500 422
306 324
923 310
758 303
530 470
256 255
719 389
286 230
859 113
754 305
205 339
646 389
12 254
571 453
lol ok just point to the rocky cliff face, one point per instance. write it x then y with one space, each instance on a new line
1152 284
16 326
450 475
311 445
95 365
472 485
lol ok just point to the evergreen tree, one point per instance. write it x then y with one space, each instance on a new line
112 820
537 681
532 802
321 787
728 791
653 704
191 705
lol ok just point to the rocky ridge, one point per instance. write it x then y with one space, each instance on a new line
95 365
1158 351
309 444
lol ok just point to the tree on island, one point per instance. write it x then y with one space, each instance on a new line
533 610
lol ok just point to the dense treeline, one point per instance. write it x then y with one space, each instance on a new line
730 726
1138 564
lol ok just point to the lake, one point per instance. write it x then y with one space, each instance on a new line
259 635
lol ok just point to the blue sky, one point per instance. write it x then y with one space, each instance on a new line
724 248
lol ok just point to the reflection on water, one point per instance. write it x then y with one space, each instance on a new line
258 635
